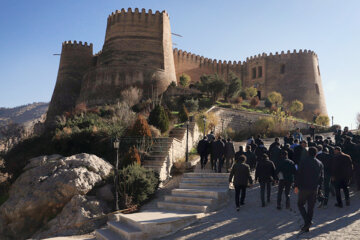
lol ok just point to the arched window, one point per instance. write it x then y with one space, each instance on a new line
282 68
318 69
317 89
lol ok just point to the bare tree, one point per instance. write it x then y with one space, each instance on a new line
131 96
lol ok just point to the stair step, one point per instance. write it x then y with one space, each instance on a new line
204 185
209 192
107 234
205 180
153 162
183 207
206 175
182 199
125 230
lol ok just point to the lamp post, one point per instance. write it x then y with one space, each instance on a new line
332 120
187 142
204 125
116 147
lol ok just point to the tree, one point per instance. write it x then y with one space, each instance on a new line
185 80
131 96
233 87
296 106
140 128
275 98
322 120
250 92
254 102
216 86
131 157
183 114
204 84
159 118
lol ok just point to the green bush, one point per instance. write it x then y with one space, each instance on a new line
183 114
192 104
159 118
184 80
264 126
205 103
275 98
322 120
136 184
250 92
268 103
296 106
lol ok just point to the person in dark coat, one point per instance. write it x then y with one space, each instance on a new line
341 175
350 149
287 139
309 177
300 152
259 151
275 154
219 154
240 153
213 153
277 141
326 159
202 149
229 154
289 151
265 174
250 158
258 140
310 142
312 131
241 174
211 136
285 171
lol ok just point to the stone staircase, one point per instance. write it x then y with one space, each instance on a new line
198 194
161 156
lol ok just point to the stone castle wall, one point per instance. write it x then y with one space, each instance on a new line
295 75
138 52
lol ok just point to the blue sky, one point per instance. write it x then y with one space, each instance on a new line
31 31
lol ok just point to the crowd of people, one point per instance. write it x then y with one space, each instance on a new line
314 167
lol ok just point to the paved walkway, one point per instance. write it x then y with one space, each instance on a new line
255 222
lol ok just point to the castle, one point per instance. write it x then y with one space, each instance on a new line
138 52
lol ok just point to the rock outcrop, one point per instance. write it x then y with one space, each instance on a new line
47 184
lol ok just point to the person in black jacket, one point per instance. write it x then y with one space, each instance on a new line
202 149
265 173
241 174
286 171
250 158
309 177
300 152
275 153
341 175
289 151
219 154
325 158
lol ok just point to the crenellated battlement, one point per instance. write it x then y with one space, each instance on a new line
282 54
76 45
136 15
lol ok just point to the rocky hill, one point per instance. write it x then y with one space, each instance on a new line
18 123
23 114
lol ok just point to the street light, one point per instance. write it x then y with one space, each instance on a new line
204 125
116 147
187 142
332 120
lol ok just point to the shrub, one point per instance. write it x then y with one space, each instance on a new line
275 98
183 114
192 105
296 106
80 108
250 92
254 102
268 103
140 128
212 120
184 80
236 100
136 184
131 96
205 103
131 157
264 125
322 120
159 118
233 87
244 95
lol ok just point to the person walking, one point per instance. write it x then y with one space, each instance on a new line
309 177
265 174
229 154
341 174
202 149
300 152
325 158
285 171
250 158
298 135
242 178
219 154
312 131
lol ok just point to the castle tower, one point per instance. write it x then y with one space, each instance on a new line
296 75
74 62
137 52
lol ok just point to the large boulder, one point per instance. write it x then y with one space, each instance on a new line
47 184
83 214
